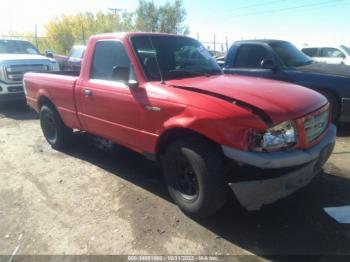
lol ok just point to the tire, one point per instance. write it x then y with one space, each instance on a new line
57 134
334 106
194 172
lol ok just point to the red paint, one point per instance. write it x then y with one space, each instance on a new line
117 112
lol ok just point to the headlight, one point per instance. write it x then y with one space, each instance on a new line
2 71
279 137
55 66
24 88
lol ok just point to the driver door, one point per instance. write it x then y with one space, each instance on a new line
107 106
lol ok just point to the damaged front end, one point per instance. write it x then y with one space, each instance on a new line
278 164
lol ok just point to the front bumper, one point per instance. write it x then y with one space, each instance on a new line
345 110
12 97
254 194
11 92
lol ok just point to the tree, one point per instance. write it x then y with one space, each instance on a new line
171 18
66 30
168 18
60 33
147 16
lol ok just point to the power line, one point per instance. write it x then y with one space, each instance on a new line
115 10
291 8
261 4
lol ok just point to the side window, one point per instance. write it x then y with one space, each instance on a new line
250 56
108 55
77 52
332 53
147 55
311 52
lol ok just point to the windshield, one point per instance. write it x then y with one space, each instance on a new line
17 47
173 57
290 55
347 49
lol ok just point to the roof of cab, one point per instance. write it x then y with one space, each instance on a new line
265 41
122 35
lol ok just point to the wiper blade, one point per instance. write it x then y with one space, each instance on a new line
189 72
215 72
304 63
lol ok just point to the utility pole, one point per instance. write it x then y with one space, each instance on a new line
83 33
115 10
36 36
214 43
226 44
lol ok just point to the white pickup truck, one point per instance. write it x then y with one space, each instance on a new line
329 54
16 58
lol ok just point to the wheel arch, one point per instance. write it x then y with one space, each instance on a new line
329 91
333 94
44 100
175 133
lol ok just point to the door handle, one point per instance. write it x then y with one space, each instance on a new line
87 92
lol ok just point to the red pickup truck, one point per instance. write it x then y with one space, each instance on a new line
164 96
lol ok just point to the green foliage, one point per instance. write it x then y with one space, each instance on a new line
147 16
171 18
67 30
168 18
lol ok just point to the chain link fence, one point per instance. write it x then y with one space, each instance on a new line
45 43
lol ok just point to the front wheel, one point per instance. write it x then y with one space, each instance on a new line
194 171
55 131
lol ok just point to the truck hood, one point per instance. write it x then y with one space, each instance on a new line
325 69
280 101
21 57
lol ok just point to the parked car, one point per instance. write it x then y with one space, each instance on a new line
72 62
221 60
280 60
165 97
16 58
329 54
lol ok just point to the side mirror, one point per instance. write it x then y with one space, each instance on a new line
48 53
268 64
125 75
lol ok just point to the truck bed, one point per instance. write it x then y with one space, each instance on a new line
59 88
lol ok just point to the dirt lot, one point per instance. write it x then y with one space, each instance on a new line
88 200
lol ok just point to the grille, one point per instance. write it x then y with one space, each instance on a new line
13 89
316 125
14 73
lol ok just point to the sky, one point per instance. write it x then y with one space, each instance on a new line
302 22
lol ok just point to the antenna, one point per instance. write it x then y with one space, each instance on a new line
158 67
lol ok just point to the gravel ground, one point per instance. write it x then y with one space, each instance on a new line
91 200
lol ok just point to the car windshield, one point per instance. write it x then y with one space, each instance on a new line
347 49
17 47
172 57
290 55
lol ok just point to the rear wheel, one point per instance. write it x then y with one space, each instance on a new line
57 134
194 171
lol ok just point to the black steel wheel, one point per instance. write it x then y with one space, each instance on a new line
194 172
55 131
48 125
187 183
